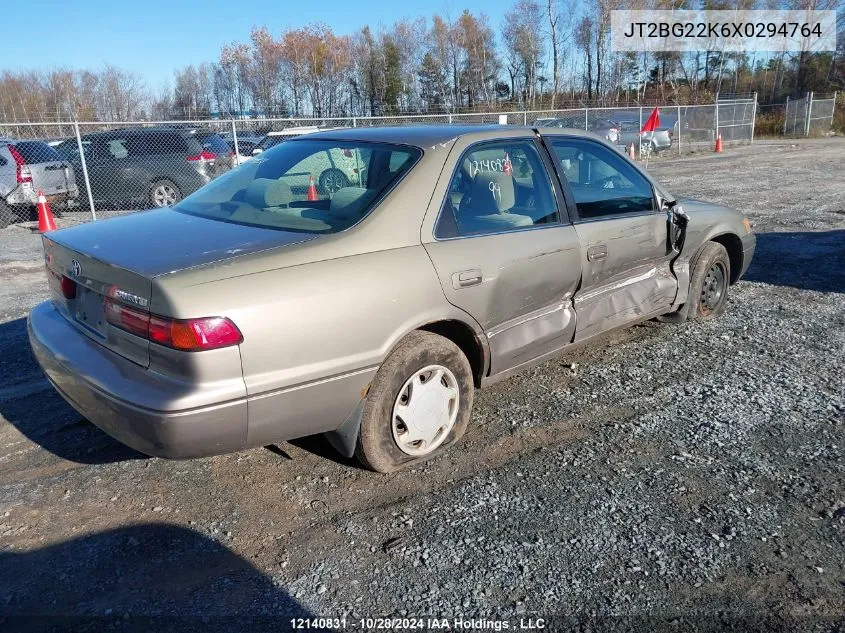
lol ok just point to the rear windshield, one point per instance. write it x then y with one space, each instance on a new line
36 152
271 141
309 186
214 143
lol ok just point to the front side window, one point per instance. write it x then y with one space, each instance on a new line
603 183
310 186
497 186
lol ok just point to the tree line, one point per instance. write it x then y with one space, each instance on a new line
542 54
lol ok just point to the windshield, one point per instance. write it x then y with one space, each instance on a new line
310 186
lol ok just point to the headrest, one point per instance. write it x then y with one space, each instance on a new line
350 202
492 191
267 192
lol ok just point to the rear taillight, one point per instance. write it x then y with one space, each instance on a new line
61 283
203 155
22 171
133 321
68 287
190 335
194 335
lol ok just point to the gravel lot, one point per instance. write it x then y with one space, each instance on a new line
685 478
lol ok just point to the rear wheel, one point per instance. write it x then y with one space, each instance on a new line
7 216
164 193
418 404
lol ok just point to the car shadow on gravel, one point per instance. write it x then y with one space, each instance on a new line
147 577
33 407
810 260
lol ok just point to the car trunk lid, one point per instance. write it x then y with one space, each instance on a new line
120 258
50 174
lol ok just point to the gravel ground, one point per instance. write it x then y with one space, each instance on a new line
679 478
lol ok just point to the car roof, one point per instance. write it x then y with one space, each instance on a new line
307 129
428 135
140 131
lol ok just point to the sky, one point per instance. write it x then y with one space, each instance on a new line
155 37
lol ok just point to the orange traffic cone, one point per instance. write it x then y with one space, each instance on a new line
718 147
632 153
46 222
312 190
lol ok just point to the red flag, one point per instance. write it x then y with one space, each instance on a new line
653 121
507 168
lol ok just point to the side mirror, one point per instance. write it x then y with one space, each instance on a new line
677 221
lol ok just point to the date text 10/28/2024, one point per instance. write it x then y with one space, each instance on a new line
418 624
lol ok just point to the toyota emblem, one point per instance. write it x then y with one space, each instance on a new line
75 268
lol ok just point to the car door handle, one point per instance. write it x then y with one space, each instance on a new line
597 252
466 278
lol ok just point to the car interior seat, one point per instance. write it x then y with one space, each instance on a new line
487 205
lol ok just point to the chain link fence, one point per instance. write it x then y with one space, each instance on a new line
809 116
97 169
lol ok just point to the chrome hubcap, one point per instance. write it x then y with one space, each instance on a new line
425 410
713 287
164 195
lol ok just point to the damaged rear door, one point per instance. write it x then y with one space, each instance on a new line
625 251
502 249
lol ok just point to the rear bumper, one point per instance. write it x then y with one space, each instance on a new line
749 245
104 388
28 197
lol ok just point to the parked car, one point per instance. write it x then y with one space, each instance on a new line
214 144
576 122
274 137
246 142
27 167
331 170
608 129
249 314
657 141
148 167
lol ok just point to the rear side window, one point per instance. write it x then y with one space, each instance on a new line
603 183
498 186
37 152
156 143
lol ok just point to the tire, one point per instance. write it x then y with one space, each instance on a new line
332 180
382 445
7 216
164 193
709 283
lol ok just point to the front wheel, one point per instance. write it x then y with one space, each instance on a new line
164 193
709 283
332 180
418 404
